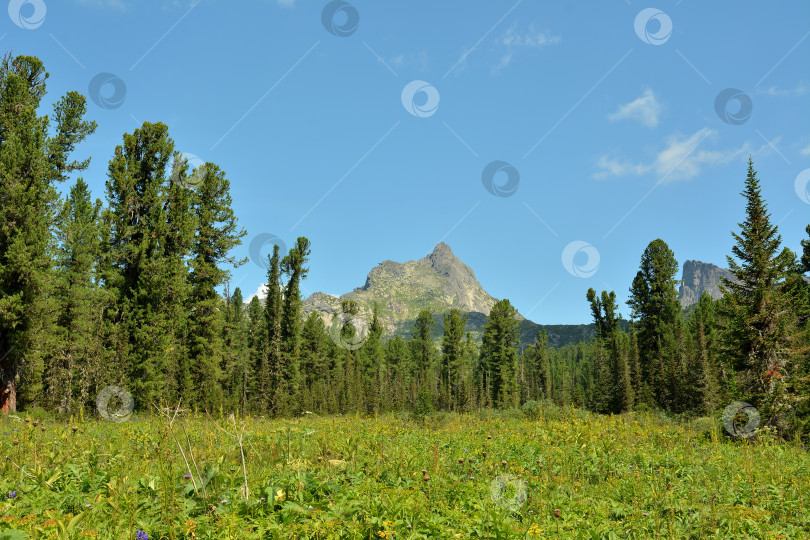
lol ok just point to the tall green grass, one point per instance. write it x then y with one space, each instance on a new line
565 474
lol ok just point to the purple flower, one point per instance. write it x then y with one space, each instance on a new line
12 494
140 535
186 476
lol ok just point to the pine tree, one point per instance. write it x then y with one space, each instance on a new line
146 248
276 389
237 354
257 344
613 391
499 354
761 324
654 304
217 234
425 353
703 369
32 163
293 266
452 356
73 369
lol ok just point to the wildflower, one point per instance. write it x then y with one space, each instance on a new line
186 476
224 501
140 535
12 494
557 512
426 478
88 505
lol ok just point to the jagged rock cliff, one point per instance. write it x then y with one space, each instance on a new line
699 277
439 281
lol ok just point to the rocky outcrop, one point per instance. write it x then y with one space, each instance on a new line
699 277
438 281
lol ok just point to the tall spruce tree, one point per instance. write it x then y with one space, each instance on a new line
758 337
32 162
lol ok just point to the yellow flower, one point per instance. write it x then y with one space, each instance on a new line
280 496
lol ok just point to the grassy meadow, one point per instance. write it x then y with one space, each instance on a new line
550 474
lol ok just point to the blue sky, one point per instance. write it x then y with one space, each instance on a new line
604 116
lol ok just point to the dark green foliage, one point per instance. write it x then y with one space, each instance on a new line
31 163
654 304
759 336
499 355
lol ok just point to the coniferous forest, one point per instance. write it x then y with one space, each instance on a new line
124 290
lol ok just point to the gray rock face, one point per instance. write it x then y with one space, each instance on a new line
438 281
699 277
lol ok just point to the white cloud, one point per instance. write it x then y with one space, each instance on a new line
514 40
805 151
261 292
801 89
681 158
645 109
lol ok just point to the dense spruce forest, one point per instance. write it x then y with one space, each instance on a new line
126 291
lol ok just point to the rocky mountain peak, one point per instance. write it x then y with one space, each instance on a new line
699 277
439 282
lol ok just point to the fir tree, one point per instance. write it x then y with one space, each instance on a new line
32 164
757 340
